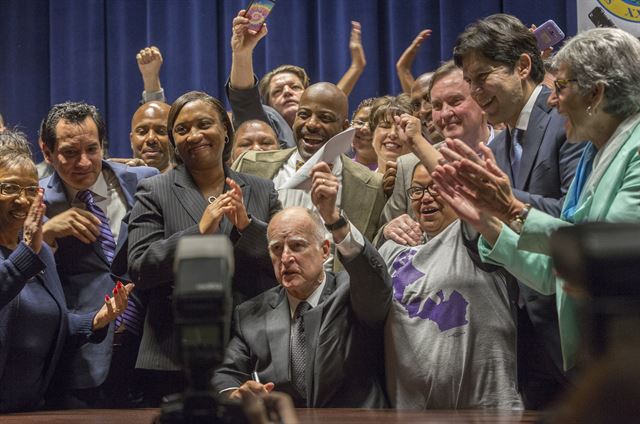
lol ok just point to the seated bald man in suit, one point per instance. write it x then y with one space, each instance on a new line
318 336
322 113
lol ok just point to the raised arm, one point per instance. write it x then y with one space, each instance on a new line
370 282
243 42
358 60
404 64
149 63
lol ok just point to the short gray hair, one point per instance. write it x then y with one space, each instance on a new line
15 140
608 56
319 234
11 158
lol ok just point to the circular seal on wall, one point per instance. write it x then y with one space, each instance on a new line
629 10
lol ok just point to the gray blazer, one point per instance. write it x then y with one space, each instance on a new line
168 207
398 203
344 339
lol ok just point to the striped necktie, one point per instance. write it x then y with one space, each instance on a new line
299 164
132 316
105 238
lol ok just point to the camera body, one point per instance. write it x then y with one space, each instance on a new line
202 306
602 260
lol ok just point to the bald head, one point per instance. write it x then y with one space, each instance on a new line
326 91
322 113
149 137
150 108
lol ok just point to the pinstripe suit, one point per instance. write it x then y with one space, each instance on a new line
168 207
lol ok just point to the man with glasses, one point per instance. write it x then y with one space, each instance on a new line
501 62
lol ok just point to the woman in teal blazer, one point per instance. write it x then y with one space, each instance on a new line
598 91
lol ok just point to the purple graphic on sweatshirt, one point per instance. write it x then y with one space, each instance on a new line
446 314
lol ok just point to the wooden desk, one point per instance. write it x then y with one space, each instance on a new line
307 416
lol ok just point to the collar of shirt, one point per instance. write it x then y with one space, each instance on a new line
492 134
312 300
99 189
525 113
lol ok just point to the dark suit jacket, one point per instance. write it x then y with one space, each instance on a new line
546 170
86 276
16 269
344 338
168 207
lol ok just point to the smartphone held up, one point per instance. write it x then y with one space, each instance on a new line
548 34
257 12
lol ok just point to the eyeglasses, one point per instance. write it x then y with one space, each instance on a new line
356 123
560 84
9 189
417 192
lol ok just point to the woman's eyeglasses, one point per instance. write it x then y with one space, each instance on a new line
560 84
9 189
417 192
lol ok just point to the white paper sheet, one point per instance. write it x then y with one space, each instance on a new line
332 149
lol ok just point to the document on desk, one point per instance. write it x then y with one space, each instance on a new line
331 151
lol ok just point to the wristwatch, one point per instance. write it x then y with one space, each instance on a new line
516 223
341 222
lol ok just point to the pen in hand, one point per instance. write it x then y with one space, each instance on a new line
254 373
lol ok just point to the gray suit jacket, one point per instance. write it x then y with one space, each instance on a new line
398 203
362 195
344 339
168 207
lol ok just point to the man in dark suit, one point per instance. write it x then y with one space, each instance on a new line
500 60
86 199
317 337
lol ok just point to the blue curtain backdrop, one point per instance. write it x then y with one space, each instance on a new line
57 50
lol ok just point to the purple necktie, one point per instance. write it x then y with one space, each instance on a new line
105 238
131 315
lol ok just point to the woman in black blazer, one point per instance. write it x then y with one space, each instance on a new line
35 324
200 196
